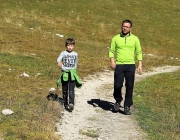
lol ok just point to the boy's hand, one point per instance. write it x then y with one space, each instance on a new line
60 64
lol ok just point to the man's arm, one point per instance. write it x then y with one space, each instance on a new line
139 56
111 54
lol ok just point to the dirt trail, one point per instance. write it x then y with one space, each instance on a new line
93 117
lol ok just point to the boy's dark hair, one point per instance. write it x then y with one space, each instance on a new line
127 21
69 41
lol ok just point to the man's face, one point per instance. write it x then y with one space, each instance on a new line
126 28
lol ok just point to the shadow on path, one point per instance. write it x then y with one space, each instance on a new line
105 105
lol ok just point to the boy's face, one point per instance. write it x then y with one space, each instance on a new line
70 47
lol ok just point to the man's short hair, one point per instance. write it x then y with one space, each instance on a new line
127 21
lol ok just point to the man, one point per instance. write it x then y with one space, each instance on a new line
125 45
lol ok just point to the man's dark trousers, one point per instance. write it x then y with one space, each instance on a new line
127 72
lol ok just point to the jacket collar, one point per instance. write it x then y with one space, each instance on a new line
121 35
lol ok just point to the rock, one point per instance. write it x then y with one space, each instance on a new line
24 74
52 89
7 112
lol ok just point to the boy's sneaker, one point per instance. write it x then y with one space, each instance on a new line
65 105
127 110
71 106
116 106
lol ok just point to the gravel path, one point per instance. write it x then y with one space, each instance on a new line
93 117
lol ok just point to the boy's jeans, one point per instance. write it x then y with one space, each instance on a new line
68 86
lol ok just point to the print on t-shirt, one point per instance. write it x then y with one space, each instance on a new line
69 61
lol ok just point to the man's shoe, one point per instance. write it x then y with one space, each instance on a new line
71 106
117 106
127 110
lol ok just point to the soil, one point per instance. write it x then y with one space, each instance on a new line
93 117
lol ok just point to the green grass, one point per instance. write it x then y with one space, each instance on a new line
158 99
28 43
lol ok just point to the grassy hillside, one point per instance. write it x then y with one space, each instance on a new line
158 99
29 42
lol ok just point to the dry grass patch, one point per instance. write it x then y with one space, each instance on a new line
90 133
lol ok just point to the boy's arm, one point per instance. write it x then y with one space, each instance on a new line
76 63
60 64
59 60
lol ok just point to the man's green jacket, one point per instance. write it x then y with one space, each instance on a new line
125 48
65 76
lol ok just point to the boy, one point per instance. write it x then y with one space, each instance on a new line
68 61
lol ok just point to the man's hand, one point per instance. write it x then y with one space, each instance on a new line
112 63
140 69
